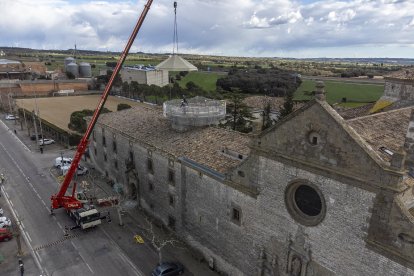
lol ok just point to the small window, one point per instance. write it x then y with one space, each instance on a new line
241 173
150 166
171 222
131 156
171 197
171 176
106 173
114 146
104 141
314 140
116 164
240 156
94 150
152 206
236 215
105 157
150 186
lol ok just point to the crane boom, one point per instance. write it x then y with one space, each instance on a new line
70 202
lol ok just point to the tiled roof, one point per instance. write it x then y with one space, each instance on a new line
359 111
258 102
202 145
385 130
404 74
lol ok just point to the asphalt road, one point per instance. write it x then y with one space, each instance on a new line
28 188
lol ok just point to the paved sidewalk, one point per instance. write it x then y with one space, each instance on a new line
136 222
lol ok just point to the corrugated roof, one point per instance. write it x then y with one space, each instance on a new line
8 61
202 145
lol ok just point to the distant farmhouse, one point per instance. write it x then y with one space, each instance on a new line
314 194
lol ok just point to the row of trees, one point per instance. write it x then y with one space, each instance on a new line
270 82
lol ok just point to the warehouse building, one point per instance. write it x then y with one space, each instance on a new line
144 75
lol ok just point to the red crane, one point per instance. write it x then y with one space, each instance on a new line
76 208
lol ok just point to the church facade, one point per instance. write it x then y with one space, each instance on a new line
313 195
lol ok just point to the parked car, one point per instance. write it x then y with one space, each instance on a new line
11 117
168 269
5 234
80 171
46 141
62 161
33 136
5 222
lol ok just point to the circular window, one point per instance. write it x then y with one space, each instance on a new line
305 203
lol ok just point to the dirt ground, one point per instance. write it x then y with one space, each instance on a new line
57 110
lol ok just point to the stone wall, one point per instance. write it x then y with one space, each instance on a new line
399 89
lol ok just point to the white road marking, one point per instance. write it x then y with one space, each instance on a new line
37 254
58 223
15 136
24 175
122 255
26 238
11 203
84 260
21 223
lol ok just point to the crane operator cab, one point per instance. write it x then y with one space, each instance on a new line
86 217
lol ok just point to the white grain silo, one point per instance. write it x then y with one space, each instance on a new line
73 68
85 70
69 60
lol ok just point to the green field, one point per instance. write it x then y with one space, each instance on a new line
206 80
335 91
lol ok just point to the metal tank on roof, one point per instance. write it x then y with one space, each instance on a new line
73 68
194 112
85 70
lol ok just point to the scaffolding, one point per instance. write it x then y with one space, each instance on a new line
197 111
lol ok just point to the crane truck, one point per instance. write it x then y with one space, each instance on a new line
84 214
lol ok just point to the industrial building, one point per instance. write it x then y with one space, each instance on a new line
313 195
144 75
11 69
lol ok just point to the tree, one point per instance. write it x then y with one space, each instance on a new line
123 106
238 115
159 242
77 122
287 107
267 120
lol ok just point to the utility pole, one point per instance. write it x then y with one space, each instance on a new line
35 127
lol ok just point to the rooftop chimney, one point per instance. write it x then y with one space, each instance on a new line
320 91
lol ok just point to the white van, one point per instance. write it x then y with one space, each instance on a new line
80 171
62 161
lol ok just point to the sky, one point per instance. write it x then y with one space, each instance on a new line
266 28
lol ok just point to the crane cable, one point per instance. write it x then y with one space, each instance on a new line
175 36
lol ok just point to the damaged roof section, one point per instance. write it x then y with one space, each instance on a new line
202 145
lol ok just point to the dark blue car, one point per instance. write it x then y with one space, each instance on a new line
168 269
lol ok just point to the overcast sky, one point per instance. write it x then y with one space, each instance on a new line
296 28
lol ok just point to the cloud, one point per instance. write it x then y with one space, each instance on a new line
245 27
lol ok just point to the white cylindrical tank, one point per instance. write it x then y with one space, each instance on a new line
69 60
85 70
73 68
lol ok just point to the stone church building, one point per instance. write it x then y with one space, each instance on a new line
314 195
